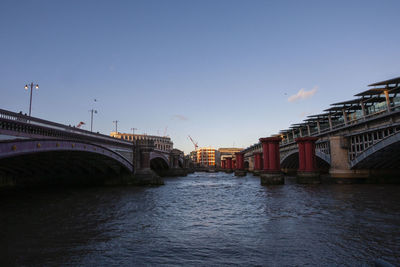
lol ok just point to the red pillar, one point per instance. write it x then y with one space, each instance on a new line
223 164
271 156
239 161
229 163
258 161
307 160
234 164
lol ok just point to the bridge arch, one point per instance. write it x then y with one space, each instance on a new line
52 161
384 154
291 160
159 162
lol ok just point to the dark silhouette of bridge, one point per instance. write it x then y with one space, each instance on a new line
35 151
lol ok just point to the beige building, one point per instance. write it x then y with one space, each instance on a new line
161 142
206 156
228 152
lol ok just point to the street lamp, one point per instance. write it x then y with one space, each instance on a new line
91 118
31 85
116 125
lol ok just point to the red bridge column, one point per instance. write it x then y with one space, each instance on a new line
307 172
257 163
271 173
240 164
223 164
228 165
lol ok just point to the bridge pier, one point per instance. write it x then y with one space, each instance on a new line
228 168
144 175
271 174
258 166
176 170
340 168
239 171
307 172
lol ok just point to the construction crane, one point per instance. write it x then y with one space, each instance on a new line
194 143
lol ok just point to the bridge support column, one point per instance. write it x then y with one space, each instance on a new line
144 175
228 165
271 174
223 164
240 165
307 172
176 170
340 167
257 163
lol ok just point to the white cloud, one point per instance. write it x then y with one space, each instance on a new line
303 94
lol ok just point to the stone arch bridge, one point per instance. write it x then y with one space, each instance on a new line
35 151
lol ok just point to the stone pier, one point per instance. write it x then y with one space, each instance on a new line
144 175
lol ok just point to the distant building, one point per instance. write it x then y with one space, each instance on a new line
193 156
228 152
205 156
161 142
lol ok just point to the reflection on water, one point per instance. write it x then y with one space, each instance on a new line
202 219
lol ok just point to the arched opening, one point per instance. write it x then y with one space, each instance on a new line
159 166
62 168
290 164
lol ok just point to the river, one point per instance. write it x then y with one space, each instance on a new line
204 219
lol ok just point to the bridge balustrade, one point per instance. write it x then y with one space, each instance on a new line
16 122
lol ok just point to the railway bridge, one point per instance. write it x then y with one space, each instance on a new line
358 138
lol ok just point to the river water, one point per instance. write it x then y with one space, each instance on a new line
204 219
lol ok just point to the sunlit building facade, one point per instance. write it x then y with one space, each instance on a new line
161 142
205 156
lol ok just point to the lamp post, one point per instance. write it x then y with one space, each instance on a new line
116 125
91 118
31 85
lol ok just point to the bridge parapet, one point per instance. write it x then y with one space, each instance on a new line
21 126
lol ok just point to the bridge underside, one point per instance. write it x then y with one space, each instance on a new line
291 163
60 167
385 158
159 166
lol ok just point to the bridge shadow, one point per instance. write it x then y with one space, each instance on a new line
290 164
61 167
159 166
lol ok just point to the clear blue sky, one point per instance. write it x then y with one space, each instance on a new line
221 71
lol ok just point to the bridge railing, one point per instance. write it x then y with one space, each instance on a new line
22 123
359 142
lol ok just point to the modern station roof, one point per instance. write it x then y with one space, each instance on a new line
387 82
367 98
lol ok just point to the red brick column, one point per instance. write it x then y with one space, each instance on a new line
307 160
271 156
258 161
239 161
234 164
223 164
229 163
